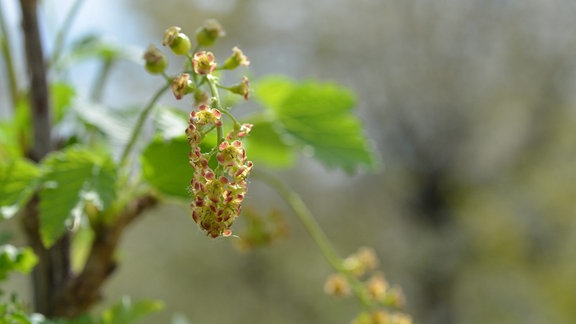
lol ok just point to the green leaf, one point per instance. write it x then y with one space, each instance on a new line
18 179
319 117
16 259
272 91
165 166
62 95
9 147
71 178
15 132
80 247
170 122
126 311
266 146
114 125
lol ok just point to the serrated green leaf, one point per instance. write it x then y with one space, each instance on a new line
165 166
265 146
16 259
318 116
127 311
71 178
18 179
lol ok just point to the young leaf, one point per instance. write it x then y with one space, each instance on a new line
62 95
9 146
318 116
113 125
16 259
165 166
15 132
71 178
18 180
126 311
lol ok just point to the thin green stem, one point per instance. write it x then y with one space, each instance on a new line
140 123
234 120
6 46
100 81
166 77
63 31
307 219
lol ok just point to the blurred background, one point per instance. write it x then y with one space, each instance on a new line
472 111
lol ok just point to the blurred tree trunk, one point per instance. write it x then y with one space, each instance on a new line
53 264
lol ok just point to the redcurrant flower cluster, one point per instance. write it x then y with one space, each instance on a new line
219 183
218 194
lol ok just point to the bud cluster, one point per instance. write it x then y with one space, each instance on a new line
219 183
362 265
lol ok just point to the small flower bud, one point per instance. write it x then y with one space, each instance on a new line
354 265
400 318
236 59
394 298
362 261
177 41
367 257
209 33
363 318
155 60
242 88
239 131
377 287
203 62
336 285
380 317
182 85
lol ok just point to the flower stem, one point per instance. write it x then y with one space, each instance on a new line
139 123
101 78
234 120
307 219
216 96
